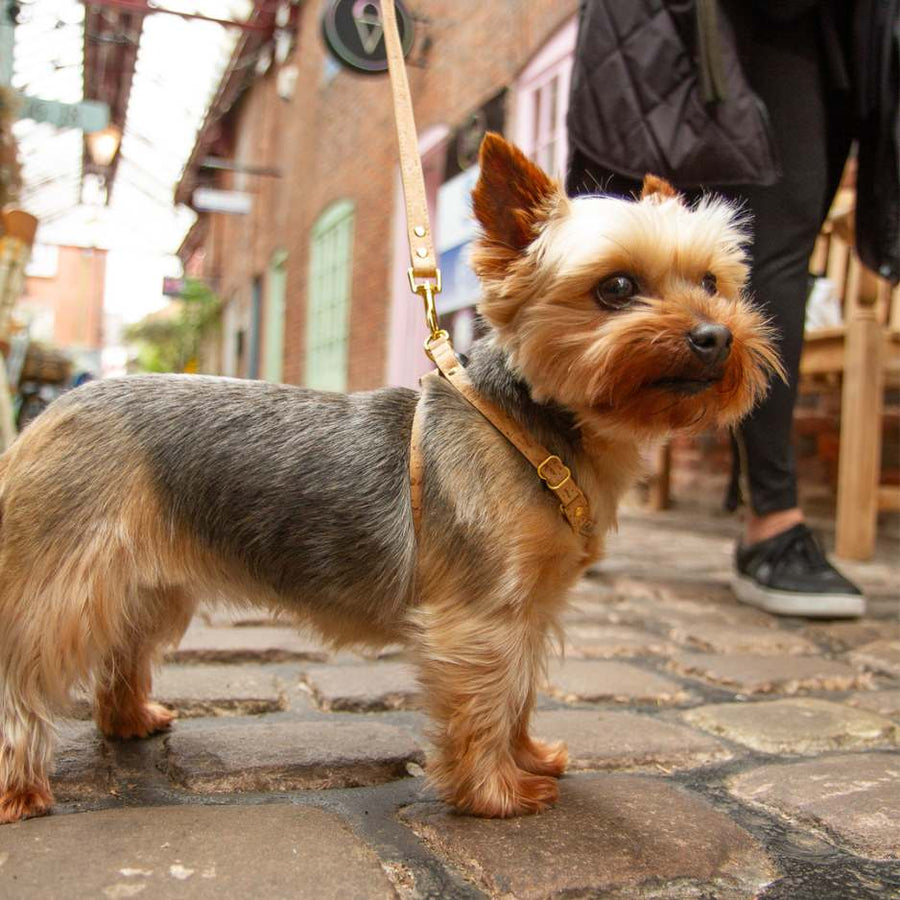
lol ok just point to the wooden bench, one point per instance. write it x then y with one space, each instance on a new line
863 354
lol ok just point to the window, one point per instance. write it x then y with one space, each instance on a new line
542 99
329 298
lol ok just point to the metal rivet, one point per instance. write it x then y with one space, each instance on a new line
419 231
421 253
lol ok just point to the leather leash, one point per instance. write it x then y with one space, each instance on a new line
425 280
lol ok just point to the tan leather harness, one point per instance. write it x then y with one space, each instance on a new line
425 280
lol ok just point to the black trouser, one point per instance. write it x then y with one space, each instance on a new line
811 129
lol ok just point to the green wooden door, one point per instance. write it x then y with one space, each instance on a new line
330 267
276 288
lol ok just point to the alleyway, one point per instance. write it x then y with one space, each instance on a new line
716 750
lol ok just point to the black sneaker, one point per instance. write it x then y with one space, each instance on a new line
789 575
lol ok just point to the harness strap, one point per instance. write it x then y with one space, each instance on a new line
550 468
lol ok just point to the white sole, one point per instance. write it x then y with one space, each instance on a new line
788 603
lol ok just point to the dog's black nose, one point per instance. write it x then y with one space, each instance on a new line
712 343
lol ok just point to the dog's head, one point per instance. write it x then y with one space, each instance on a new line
629 313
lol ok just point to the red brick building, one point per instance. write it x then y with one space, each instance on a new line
63 297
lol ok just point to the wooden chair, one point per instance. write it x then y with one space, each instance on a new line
864 354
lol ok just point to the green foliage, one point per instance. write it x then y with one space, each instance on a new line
171 343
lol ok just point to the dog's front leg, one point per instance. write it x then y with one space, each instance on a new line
478 670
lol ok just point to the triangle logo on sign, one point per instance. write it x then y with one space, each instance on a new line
367 18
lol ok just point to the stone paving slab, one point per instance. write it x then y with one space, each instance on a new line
885 703
801 725
202 643
363 688
692 593
623 740
216 690
264 755
879 656
710 637
197 852
573 680
609 836
666 615
683 553
752 674
83 763
856 798
839 636
595 641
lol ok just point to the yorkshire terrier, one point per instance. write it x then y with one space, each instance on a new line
612 322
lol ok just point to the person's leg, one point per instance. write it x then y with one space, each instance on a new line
780 566
810 125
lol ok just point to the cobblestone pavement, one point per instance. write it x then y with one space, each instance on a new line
716 752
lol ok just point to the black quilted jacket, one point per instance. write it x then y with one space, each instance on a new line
657 86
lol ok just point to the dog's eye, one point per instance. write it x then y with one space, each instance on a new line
616 292
709 284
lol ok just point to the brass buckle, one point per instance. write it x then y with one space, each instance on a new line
540 471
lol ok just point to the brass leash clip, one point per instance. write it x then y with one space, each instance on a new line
427 291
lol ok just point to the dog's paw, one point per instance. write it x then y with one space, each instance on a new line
24 804
534 793
540 758
141 722
506 796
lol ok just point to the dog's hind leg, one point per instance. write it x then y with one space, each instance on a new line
478 669
122 707
26 742
34 688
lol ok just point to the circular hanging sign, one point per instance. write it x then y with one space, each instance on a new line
354 34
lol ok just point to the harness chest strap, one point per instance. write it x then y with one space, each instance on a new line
550 468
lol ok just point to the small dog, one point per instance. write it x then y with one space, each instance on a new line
612 322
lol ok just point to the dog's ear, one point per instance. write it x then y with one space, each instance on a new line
658 189
512 199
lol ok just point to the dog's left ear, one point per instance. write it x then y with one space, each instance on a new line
658 189
512 199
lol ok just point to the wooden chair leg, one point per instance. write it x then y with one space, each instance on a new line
860 448
659 498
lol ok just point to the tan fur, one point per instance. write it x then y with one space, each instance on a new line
655 186
91 589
